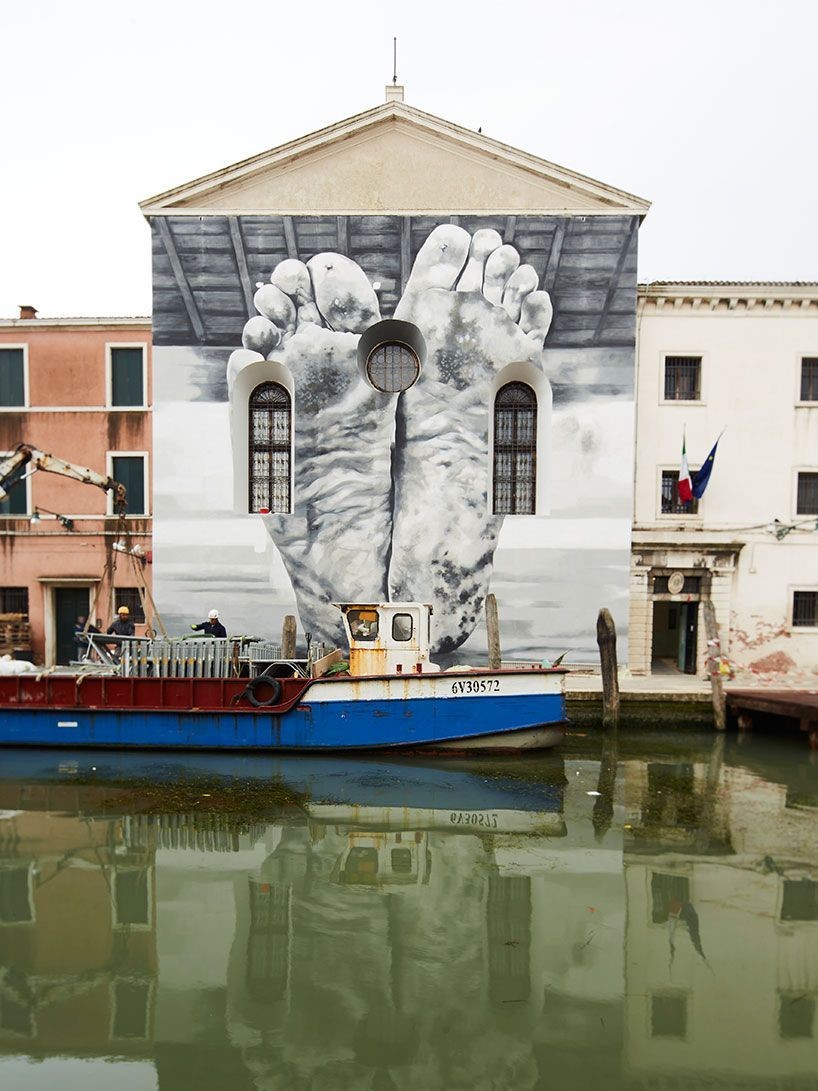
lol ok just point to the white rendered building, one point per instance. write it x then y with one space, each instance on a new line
741 358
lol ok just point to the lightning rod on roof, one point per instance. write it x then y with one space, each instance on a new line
394 60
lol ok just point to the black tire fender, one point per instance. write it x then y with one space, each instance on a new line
262 681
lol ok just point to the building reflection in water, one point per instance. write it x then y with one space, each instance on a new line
652 923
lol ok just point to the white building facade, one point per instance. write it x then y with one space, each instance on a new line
743 359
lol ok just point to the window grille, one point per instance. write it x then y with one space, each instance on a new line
392 367
129 596
683 378
807 502
805 609
270 448
14 600
671 504
515 450
809 379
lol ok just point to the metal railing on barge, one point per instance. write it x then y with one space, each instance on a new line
191 657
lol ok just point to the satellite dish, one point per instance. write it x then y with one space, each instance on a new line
675 583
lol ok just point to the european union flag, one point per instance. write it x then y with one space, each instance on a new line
702 477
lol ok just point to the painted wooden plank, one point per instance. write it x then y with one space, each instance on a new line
179 273
630 238
553 264
343 234
196 226
241 262
405 251
454 220
511 227
289 237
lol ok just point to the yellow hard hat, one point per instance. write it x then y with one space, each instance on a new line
123 610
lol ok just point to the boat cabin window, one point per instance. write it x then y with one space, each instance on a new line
402 627
363 624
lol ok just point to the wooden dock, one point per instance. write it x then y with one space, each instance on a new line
749 705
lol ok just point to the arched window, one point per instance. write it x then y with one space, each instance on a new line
515 450
270 448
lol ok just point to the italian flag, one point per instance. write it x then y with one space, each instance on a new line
685 482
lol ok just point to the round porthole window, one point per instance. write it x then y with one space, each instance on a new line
392 367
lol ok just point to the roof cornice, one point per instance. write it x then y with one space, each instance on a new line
738 297
167 202
30 324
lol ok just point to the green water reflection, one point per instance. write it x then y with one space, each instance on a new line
642 914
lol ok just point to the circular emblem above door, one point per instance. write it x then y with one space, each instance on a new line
675 583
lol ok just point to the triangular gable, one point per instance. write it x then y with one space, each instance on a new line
394 158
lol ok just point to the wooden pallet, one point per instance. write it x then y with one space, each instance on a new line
15 634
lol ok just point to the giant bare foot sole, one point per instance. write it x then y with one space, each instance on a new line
335 543
478 310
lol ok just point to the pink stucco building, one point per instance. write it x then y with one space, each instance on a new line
80 389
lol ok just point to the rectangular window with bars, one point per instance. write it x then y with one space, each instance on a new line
807 499
671 504
14 600
805 609
683 378
809 379
129 596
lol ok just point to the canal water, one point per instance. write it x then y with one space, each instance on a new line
631 913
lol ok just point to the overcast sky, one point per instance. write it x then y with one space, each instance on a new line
706 108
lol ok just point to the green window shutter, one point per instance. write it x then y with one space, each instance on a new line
129 470
16 503
12 388
127 388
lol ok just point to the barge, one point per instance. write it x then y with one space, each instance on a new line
390 696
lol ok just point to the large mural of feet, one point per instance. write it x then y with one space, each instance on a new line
391 491
479 311
335 545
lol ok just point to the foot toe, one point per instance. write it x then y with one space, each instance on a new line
536 314
260 335
522 281
276 306
500 265
440 260
343 295
293 278
484 242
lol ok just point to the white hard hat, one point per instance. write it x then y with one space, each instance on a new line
213 613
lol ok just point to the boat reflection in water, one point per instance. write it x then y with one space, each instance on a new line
647 920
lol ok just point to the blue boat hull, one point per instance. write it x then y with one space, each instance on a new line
335 725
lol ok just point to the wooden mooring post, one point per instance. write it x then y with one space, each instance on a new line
711 628
288 637
606 639
493 630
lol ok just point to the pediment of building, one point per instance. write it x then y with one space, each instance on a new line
394 159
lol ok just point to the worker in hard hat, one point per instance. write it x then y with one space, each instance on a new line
123 626
211 627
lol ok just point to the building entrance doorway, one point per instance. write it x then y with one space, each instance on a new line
69 604
675 636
